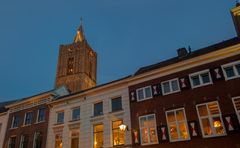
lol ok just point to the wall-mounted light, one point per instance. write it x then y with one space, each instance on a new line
123 127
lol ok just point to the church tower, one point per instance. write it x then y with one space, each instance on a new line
77 64
236 17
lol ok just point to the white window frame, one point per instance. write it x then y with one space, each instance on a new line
200 78
10 138
57 117
177 123
21 141
171 89
13 120
209 116
237 111
110 103
149 143
38 116
233 64
144 94
24 122
77 107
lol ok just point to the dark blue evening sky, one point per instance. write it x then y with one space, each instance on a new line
126 34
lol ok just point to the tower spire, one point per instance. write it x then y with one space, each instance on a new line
79 37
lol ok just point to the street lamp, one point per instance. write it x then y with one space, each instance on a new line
123 127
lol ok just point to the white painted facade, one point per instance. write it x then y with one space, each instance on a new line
3 126
84 126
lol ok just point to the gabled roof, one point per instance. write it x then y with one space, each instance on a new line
193 54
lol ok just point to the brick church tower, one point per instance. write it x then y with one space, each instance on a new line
77 64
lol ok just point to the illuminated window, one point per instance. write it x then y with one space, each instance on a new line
24 141
75 139
41 114
116 104
170 86
37 140
12 142
28 118
15 121
118 135
236 102
231 70
70 66
98 136
60 117
58 141
177 125
210 119
76 113
201 78
144 93
148 129
98 109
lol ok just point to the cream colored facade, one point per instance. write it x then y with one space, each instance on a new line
3 126
84 126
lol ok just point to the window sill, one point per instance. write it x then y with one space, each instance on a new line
145 99
74 120
180 140
214 136
149 143
201 85
39 122
231 78
58 124
112 112
26 125
13 128
169 93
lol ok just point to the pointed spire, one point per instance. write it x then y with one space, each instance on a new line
80 34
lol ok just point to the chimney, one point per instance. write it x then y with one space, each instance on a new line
182 52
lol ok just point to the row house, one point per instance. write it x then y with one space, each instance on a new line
192 100
91 118
27 120
3 120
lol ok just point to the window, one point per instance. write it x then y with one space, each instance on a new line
58 141
75 139
41 114
37 140
98 109
144 93
201 78
76 113
116 104
12 142
231 70
15 121
28 118
70 66
236 102
118 135
210 119
170 86
177 125
98 136
24 141
148 130
60 117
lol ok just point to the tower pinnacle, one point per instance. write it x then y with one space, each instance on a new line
79 37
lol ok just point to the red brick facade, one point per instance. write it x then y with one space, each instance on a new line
221 91
27 129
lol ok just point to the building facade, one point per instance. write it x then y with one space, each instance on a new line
3 123
91 118
28 120
192 100
77 64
